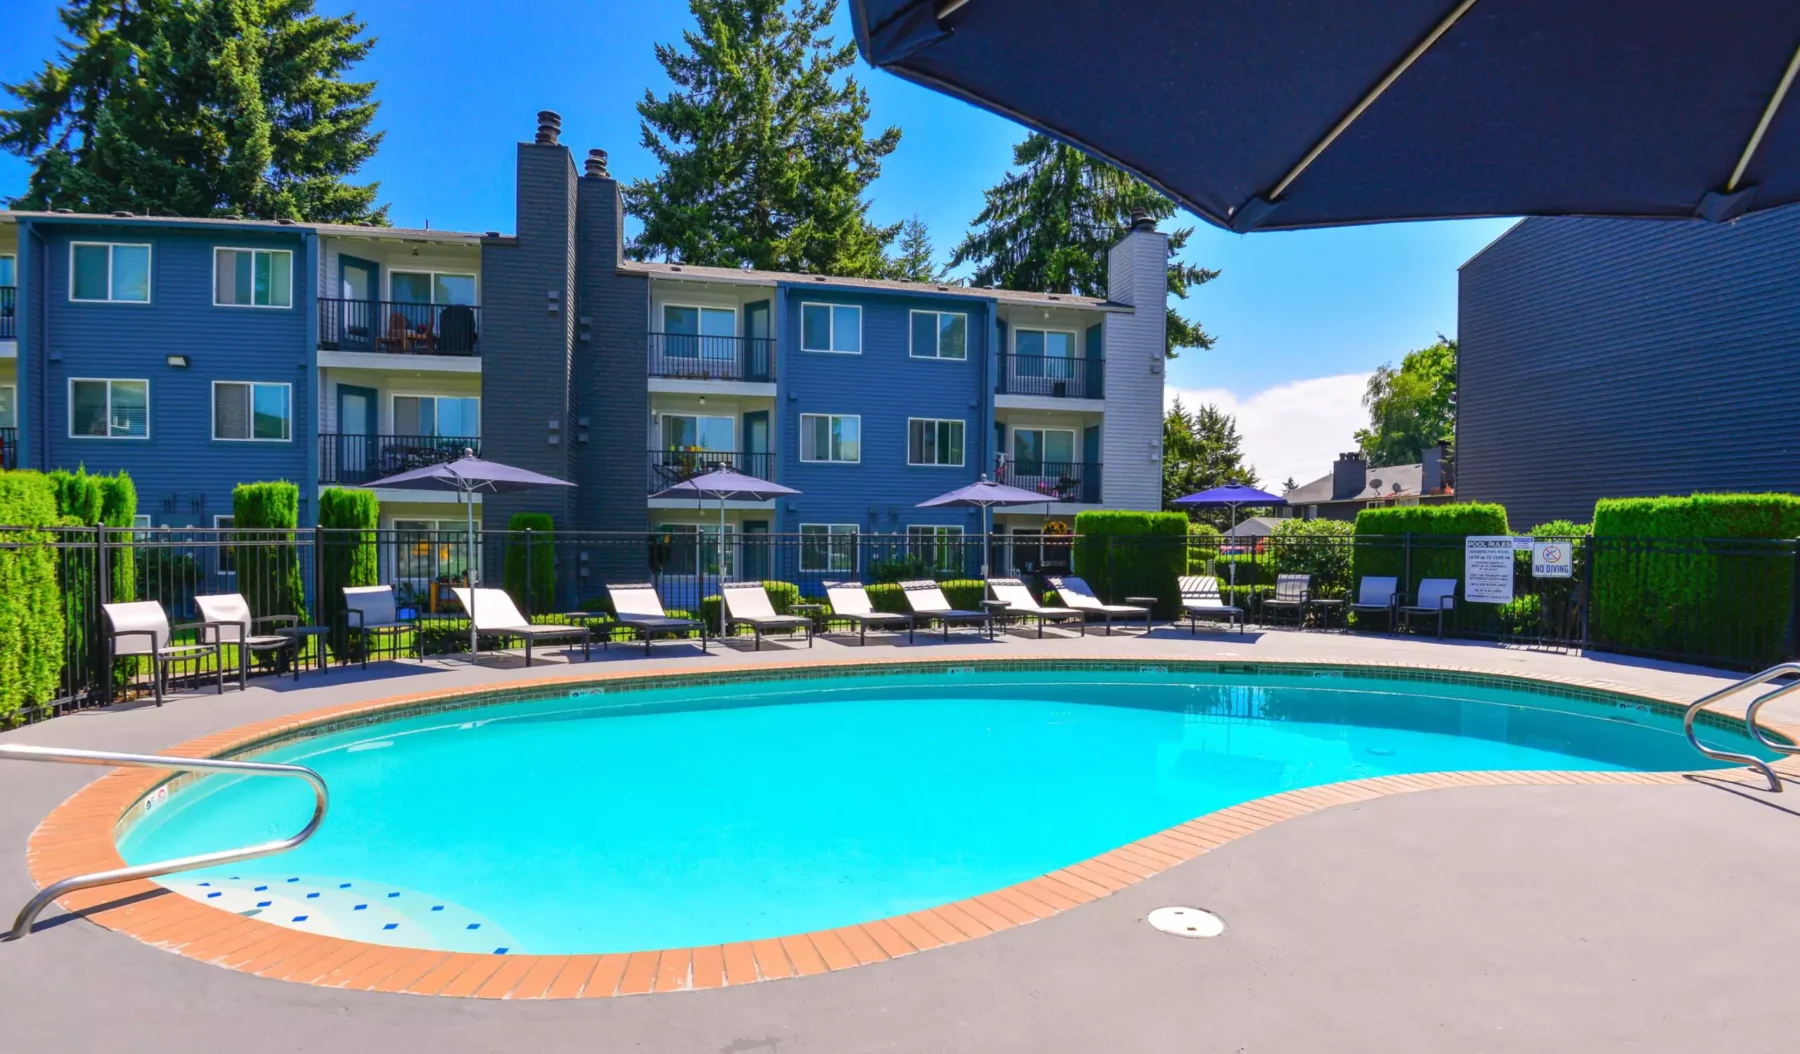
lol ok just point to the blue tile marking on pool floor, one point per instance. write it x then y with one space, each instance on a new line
327 907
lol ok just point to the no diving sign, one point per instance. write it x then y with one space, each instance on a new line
1552 560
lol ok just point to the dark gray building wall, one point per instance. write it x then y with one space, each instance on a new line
1622 358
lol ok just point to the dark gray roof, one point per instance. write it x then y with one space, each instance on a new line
340 229
745 275
1390 481
1253 527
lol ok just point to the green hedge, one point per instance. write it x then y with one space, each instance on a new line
82 500
1203 547
348 559
31 622
268 571
782 597
963 593
542 587
1434 554
1133 554
1320 548
1674 575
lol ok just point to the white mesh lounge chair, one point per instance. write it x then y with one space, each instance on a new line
638 607
747 604
1292 593
850 602
496 615
142 628
1019 601
1377 596
928 602
1075 593
1436 596
1200 598
370 611
235 626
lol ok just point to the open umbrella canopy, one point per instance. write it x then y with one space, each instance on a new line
1231 494
1311 113
726 485
984 494
469 475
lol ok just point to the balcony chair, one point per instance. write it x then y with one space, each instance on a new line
142 628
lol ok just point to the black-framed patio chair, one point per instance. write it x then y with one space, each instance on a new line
1435 597
236 626
370 611
1075 593
1377 595
928 603
1200 598
1292 592
1019 601
850 602
748 604
637 606
495 614
141 627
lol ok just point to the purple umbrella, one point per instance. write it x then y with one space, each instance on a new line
1231 495
724 484
984 494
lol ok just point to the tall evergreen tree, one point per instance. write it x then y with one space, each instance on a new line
1047 227
916 261
1201 450
763 150
199 108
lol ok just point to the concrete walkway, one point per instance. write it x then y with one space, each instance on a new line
1574 918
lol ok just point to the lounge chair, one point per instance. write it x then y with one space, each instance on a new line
747 604
927 602
235 625
1075 593
850 602
1200 598
142 628
636 606
1019 601
370 610
1377 596
1436 596
495 614
1292 593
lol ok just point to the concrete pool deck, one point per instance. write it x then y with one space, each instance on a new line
1496 918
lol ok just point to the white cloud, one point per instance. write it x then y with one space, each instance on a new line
1294 429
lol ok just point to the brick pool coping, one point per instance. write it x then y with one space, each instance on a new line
80 836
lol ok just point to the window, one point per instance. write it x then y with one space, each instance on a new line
437 415
940 335
1035 448
831 327
828 547
9 270
246 410
831 437
941 548
1044 353
934 442
693 432
104 271
109 409
427 551
431 287
692 547
699 332
9 409
253 277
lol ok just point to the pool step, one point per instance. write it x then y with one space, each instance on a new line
375 912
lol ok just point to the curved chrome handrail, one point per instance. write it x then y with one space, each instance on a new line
29 913
1694 708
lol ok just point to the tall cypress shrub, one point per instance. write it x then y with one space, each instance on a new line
349 519
539 594
267 561
31 615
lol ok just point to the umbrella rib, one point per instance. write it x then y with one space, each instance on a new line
946 8
1768 118
1368 100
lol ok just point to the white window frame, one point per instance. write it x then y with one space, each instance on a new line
219 519
831 337
387 283
831 530
394 414
109 382
289 253
251 438
964 451
149 272
861 441
912 352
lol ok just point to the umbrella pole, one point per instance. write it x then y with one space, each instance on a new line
722 541
474 558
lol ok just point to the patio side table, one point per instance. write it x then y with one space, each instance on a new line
301 635
816 612
1325 608
1149 605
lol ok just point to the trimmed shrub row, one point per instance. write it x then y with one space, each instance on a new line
346 561
1149 564
268 574
31 623
540 593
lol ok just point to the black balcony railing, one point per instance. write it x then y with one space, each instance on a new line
694 357
357 459
399 328
669 467
1051 375
9 312
1070 481
9 448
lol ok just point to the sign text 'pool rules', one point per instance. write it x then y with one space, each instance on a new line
1553 560
1488 569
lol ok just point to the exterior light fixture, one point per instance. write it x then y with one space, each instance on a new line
178 360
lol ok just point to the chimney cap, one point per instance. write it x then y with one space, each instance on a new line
1141 220
596 164
549 127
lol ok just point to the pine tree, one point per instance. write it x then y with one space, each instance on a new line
1289 486
762 146
1201 450
199 108
1047 228
916 261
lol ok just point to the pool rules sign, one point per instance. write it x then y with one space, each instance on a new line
1488 569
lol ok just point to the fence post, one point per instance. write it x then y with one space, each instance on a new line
1585 588
529 581
1111 592
317 607
96 618
1406 582
1793 627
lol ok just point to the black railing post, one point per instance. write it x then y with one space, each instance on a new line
1793 625
1585 589
529 581
95 617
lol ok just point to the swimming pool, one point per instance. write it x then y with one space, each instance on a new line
608 820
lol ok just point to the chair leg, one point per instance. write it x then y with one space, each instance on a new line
219 666
156 677
528 653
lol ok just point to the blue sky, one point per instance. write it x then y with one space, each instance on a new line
1300 317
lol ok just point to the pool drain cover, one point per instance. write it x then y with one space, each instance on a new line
1187 922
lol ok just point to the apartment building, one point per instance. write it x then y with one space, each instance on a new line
200 353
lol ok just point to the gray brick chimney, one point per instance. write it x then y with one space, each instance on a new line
1349 476
1131 435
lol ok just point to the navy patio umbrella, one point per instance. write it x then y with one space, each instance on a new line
1232 496
468 476
1314 113
725 484
984 494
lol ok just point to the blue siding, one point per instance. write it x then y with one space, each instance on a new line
885 387
183 475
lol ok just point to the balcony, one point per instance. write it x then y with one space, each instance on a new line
669 467
353 460
9 448
1052 376
693 357
398 328
1059 481
9 312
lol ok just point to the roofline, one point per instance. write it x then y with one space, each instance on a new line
801 280
1497 239
338 230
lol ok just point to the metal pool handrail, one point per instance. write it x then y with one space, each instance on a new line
29 913
1694 708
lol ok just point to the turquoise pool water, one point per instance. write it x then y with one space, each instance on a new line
688 816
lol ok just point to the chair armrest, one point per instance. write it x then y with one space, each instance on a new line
1446 603
243 628
355 613
292 620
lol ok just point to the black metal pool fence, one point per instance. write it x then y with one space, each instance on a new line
1723 602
